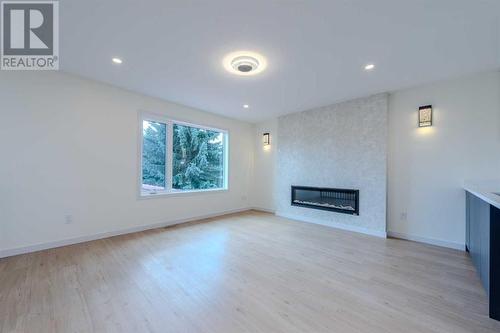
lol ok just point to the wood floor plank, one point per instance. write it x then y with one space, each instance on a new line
247 272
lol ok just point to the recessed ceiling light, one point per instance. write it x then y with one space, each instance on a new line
369 67
117 60
246 106
244 63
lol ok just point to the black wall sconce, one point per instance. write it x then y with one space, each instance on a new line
266 139
425 116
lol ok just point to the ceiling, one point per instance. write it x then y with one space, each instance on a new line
316 50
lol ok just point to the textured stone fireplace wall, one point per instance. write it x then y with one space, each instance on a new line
343 146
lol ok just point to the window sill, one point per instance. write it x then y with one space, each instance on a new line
174 193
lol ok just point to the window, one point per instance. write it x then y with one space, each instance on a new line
198 158
177 157
154 155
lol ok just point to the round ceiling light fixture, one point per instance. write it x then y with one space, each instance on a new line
244 63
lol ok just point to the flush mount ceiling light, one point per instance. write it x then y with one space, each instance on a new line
244 63
246 106
116 60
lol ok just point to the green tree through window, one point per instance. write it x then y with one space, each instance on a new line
198 158
153 155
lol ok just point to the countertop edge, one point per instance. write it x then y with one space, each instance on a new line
484 195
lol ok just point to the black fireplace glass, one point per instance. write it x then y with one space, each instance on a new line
332 199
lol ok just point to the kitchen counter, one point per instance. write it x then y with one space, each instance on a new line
485 190
482 237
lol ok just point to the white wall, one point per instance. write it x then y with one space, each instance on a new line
341 146
69 147
427 166
263 189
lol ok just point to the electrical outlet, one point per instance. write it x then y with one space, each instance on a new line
243 198
68 219
404 216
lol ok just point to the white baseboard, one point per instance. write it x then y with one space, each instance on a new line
432 241
87 238
361 230
265 210
101 235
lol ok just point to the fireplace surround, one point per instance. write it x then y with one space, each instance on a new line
332 199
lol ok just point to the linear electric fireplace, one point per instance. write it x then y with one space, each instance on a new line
337 200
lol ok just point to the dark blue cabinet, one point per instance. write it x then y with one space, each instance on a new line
483 244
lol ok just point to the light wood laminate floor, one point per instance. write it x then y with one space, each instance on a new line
249 272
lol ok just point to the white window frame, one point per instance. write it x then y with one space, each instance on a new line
169 122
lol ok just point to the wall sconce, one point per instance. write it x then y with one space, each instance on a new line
425 116
266 139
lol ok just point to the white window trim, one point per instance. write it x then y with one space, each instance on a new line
169 191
